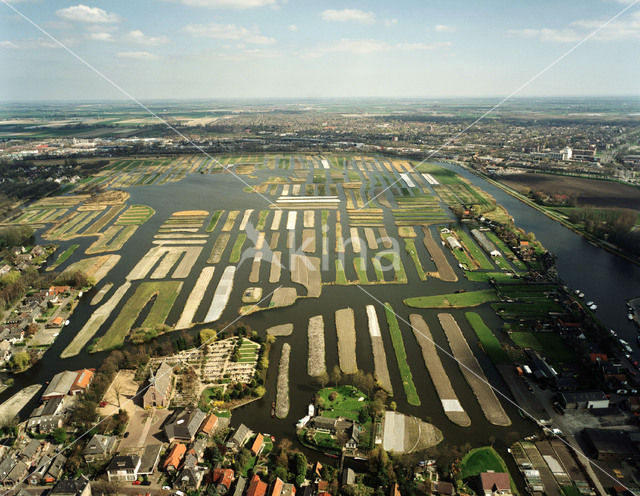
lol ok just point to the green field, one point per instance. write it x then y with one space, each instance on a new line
481 460
453 300
474 250
236 251
547 343
341 277
361 269
410 247
62 258
401 357
165 294
345 403
214 220
488 340
393 258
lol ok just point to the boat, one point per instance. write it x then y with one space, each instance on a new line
589 303
273 409
593 307
581 294
630 316
66 322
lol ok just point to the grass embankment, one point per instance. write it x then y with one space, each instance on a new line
453 300
341 277
490 343
486 276
401 357
236 251
165 293
63 257
480 460
393 258
361 269
214 220
410 247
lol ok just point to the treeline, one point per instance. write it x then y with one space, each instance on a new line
615 225
15 236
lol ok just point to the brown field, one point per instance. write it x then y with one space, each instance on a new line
588 191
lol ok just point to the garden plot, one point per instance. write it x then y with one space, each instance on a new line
231 220
96 268
245 219
316 366
222 294
280 330
309 240
282 392
309 219
448 398
276 267
407 180
401 356
292 217
214 220
371 238
306 202
218 248
404 434
381 368
346 331
306 271
254 276
112 239
162 295
275 237
355 240
430 179
473 372
91 327
101 293
444 269
418 210
195 298
172 255
275 223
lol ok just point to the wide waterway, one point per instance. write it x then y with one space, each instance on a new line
604 277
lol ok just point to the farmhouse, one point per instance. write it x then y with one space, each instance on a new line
99 448
239 438
158 394
123 468
495 483
174 458
184 425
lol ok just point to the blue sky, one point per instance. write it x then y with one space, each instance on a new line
314 49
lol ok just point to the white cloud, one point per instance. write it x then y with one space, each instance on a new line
229 32
443 28
390 22
250 53
349 15
137 55
8 44
230 4
412 47
101 36
137 36
621 29
293 28
83 13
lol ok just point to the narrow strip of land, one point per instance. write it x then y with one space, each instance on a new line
316 362
282 392
195 297
379 356
346 331
221 296
445 271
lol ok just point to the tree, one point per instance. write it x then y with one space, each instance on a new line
336 375
208 336
59 435
300 462
20 361
323 379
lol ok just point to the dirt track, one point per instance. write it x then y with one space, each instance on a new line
473 372
441 382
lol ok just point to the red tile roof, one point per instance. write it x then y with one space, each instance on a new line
209 424
175 456
257 487
495 481
257 444
224 476
277 487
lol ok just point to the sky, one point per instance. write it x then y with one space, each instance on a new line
261 49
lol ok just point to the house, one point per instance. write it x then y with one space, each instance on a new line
198 447
60 385
442 488
123 468
584 399
17 474
30 450
54 323
239 438
454 244
99 448
55 469
158 394
37 476
44 424
495 483
258 445
72 487
606 444
288 489
189 479
256 487
240 486
354 437
223 478
276 488
349 478
6 466
174 458
325 424
54 291
183 426
208 427
82 382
